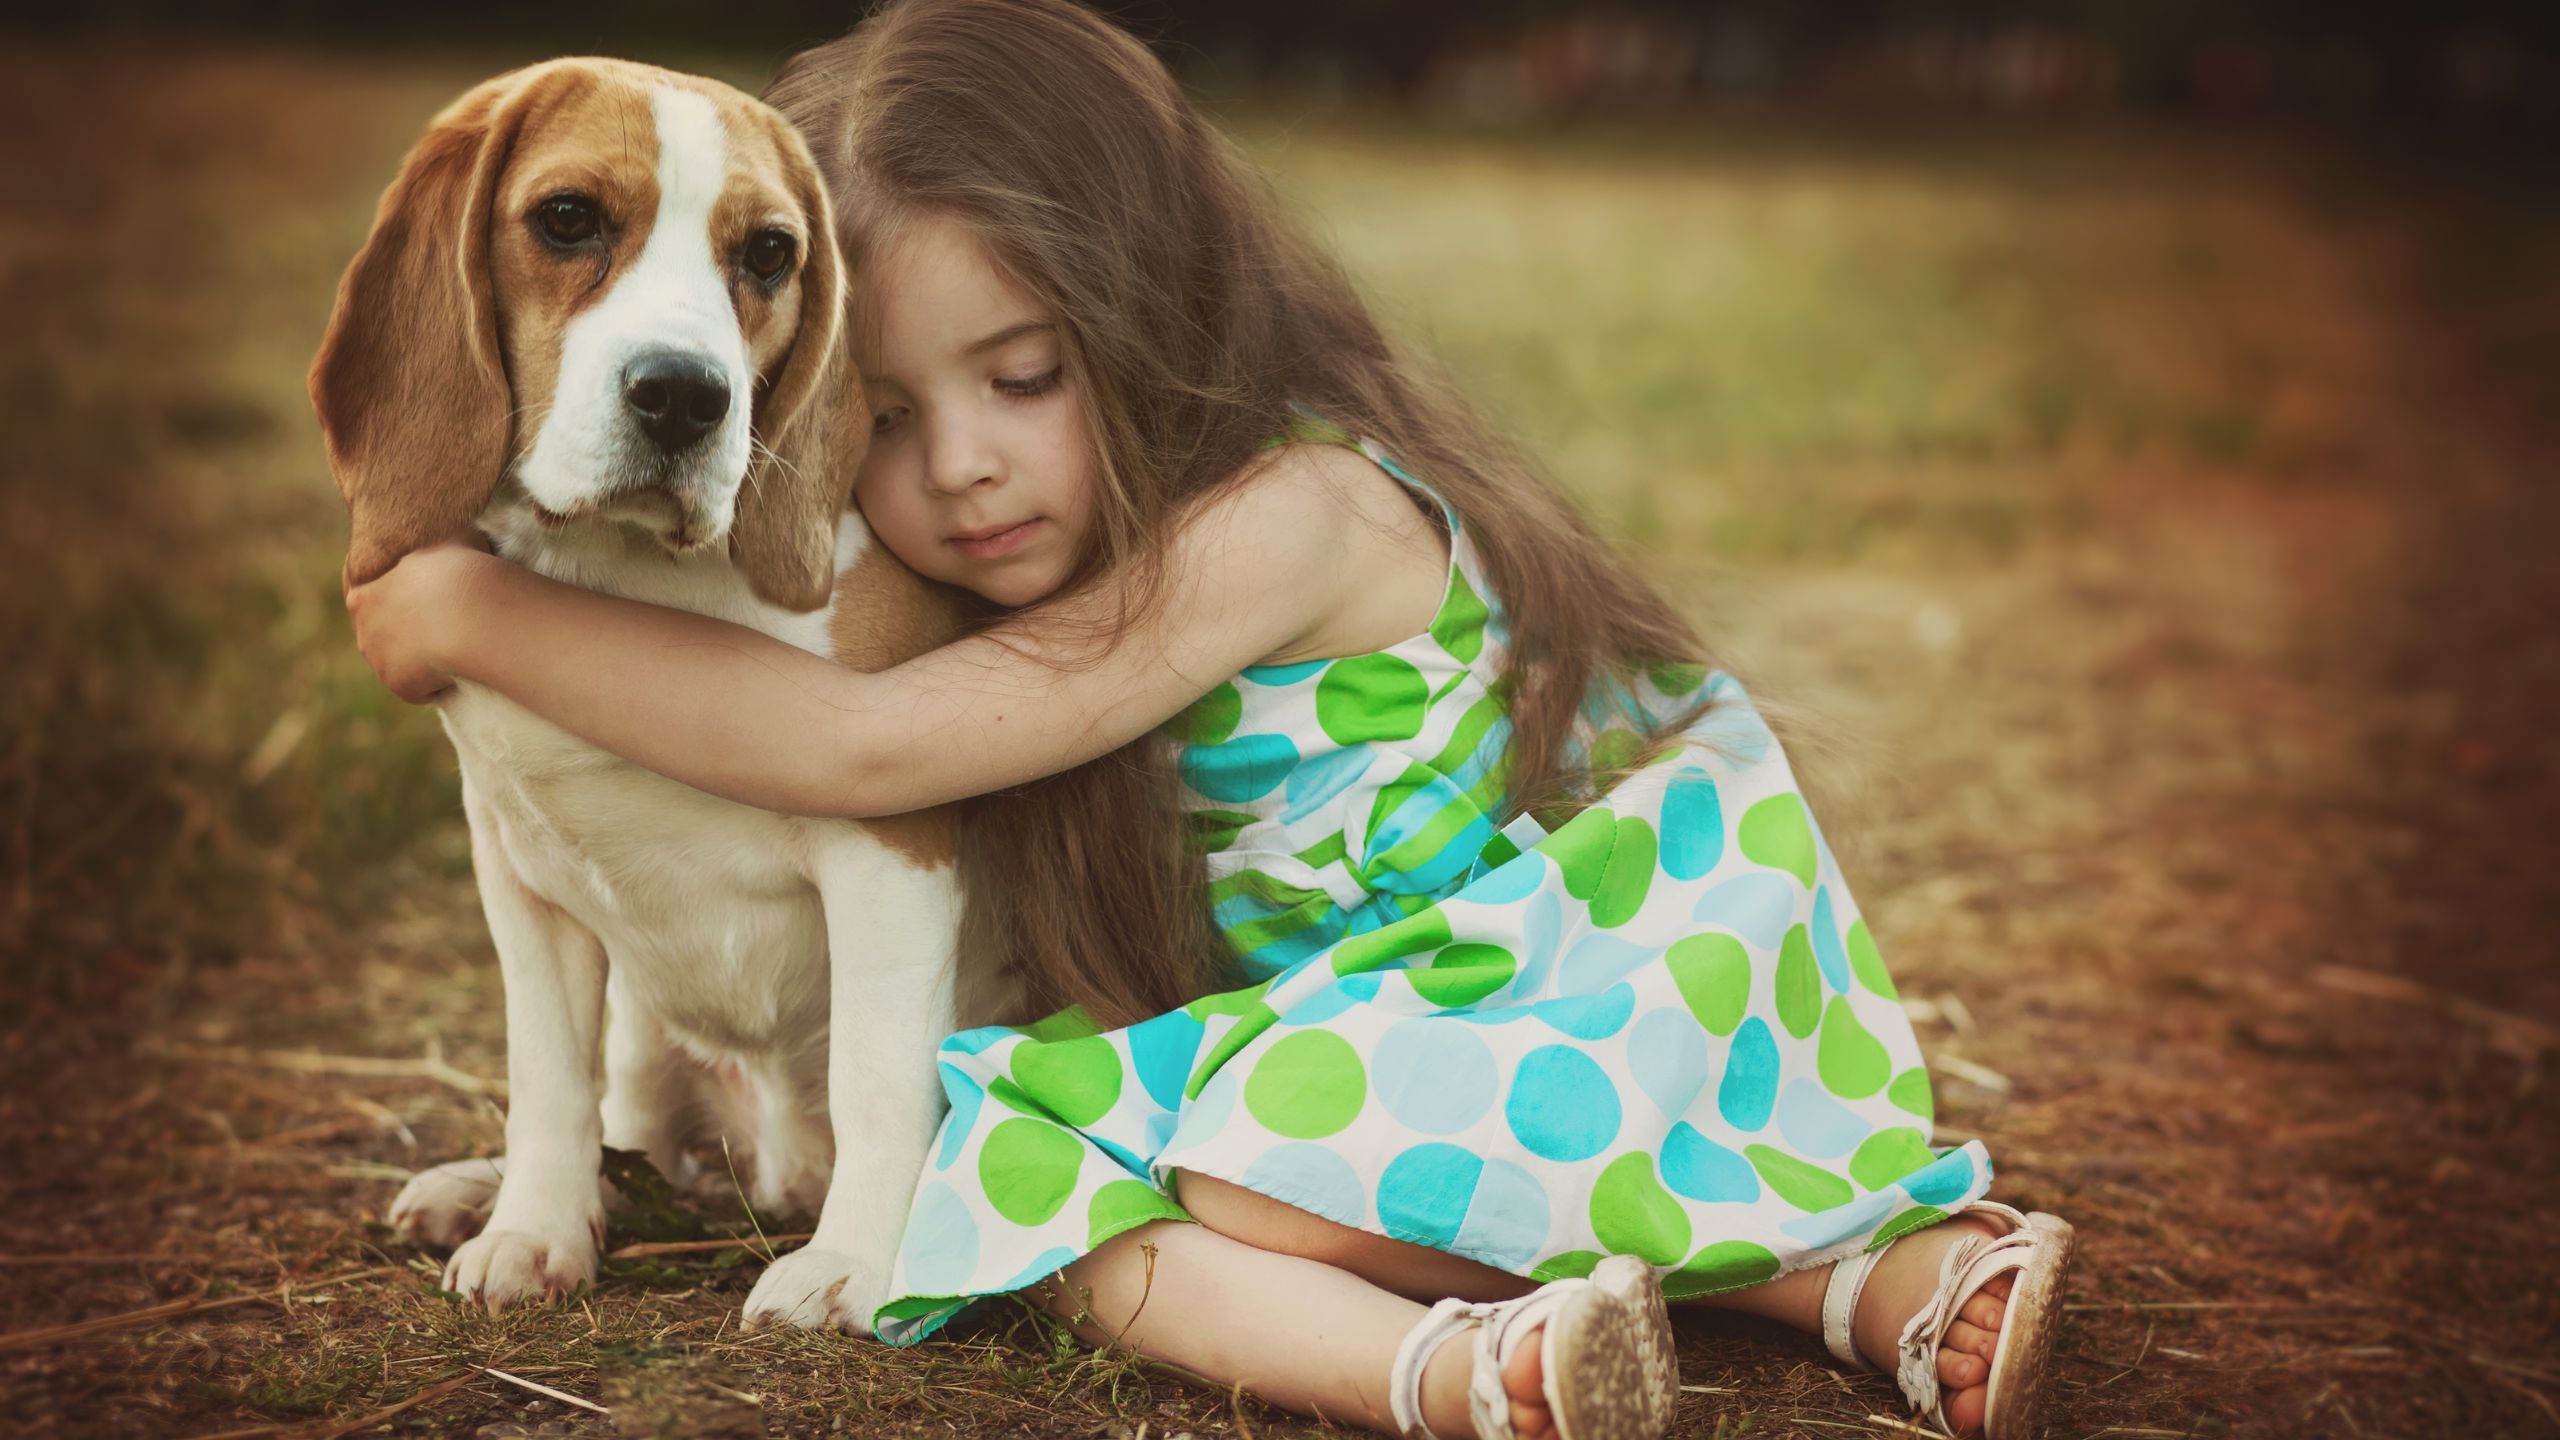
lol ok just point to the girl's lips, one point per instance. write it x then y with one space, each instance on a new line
992 544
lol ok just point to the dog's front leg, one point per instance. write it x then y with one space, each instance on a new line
891 931
547 1223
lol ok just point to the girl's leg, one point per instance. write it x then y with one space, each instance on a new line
1296 1332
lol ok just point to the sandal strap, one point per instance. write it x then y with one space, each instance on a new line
1404 1379
1840 1307
1970 1263
1488 1403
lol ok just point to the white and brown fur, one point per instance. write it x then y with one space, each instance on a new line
775 981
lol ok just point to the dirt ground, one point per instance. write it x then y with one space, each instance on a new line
2153 530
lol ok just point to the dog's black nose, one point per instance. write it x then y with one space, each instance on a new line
676 397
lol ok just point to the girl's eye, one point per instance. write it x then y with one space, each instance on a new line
1032 385
886 420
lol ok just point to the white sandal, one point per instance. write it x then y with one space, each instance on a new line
1610 1373
2038 1248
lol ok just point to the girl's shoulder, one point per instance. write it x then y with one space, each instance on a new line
1380 546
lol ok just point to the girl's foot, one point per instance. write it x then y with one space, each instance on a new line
1904 1280
1612 1339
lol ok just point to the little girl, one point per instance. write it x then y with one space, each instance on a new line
1486 1080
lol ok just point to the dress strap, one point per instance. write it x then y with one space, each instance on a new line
1307 427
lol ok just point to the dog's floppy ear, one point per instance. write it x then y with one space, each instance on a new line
410 386
806 423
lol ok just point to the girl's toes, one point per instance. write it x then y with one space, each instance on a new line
1984 1310
1524 1380
1965 1407
1530 1421
1957 1370
1971 1339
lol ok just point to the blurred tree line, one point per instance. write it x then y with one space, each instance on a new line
2485 64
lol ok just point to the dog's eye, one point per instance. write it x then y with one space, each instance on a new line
768 255
568 219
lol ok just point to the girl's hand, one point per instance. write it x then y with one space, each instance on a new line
399 617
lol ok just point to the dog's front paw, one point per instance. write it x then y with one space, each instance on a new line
499 1268
816 1289
446 1205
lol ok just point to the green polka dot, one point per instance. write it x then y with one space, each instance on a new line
1867 963
1010 1095
1910 1091
1581 850
1463 974
1888 1155
1371 697
1806 1187
1775 833
912 1306
1459 627
1676 679
1210 719
1250 1023
1307 1086
1064 1024
1724 1265
1616 749
1077 1079
1714 976
1123 1203
1215 830
1567 1265
1226 1002
1853 1063
1412 935
1799 984
1628 877
1904 1223
1027 1169
1633 1215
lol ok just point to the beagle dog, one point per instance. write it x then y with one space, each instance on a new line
598 316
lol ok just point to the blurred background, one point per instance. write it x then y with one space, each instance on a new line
2121 435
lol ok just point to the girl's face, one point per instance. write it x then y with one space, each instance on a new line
980 473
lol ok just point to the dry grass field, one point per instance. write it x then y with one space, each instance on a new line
2151 532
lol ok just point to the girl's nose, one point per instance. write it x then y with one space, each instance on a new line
958 461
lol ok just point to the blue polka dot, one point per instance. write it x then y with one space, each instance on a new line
1599 960
1817 1125
1589 1017
1692 825
1320 779
1162 1051
1434 1076
1827 950
1279 675
1701 1169
1667 1053
1423 1193
1513 879
966 1097
1735 734
1051 1261
1120 1154
1247 767
1209 1113
940 1251
1540 926
970 1042
1830 1227
1750 1085
1332 999
1312 1177
1488 1014
1758 907
1562 1105
1941 1182
1507 1225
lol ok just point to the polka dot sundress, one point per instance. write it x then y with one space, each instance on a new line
1662 1030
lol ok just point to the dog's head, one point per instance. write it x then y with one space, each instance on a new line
616 287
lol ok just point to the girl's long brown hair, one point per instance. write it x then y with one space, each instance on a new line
1192 318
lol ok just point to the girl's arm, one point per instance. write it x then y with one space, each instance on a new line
739 714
